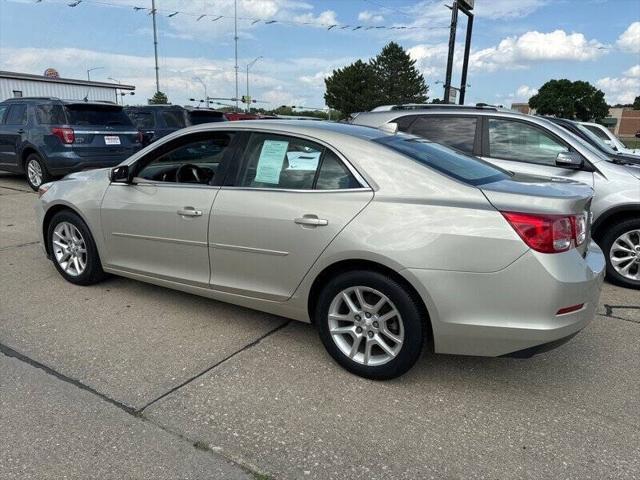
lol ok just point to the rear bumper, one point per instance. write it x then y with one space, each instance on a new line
514 309
68 162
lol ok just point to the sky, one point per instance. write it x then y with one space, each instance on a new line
517 45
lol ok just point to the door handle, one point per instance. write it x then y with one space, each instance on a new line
311 220
21 130
189 212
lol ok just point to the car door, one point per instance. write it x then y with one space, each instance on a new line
523 147
158 225
11 134
289 200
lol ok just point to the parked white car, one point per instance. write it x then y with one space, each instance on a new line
610 139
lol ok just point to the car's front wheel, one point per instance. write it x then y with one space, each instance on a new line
73 249
621 245
370 324
36 171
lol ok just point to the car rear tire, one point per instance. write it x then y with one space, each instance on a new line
73 249
370 324
36 171
621 246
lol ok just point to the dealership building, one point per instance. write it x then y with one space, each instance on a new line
50 84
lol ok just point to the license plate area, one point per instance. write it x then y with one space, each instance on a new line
111 140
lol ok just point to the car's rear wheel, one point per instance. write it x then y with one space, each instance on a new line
73 249
370 324
36 171
621 245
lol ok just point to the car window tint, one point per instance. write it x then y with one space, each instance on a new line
596 131
275 161
17 115
514 140
455 164
107 115
457 132
142 119
201 159
50 114
3 110
405 122
174 118
334 174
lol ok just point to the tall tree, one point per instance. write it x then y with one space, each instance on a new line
636 103
350 89
397 80
159 98
574 100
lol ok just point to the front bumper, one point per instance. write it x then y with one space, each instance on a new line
514 309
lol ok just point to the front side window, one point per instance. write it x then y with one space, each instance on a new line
456 132
194 162
513 140
17 115
276 161
452 163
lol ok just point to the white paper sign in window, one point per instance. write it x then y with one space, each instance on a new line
271 161
303 160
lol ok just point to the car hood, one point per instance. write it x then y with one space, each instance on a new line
88 174
633 169
536 194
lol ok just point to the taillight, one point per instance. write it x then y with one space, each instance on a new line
66 135
549 233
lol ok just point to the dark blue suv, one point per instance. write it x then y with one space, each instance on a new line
49 137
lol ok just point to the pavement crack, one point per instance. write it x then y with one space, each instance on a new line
17 189
609 312
10 352
18 245
208 369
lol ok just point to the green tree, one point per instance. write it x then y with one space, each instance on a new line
351 89
397 80
636 103
158 98
574 100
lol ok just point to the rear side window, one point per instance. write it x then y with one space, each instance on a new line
17 115
142 119
465 168
174 118
3 111
50 114
457 132
278 161
89 114
514 140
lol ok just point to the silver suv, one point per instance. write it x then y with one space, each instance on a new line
529 144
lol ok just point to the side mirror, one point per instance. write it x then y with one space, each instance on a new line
570 160
120 174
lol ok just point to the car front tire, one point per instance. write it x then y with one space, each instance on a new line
36 171
73 249
370 324
621 245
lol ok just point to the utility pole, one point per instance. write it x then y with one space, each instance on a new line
249 65
452 45
235 38
465 62
155 42
465 6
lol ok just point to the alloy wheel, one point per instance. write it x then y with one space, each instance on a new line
625 255
366 326
69 248
34 172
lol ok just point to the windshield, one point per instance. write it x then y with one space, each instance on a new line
588 133
455 164
97 115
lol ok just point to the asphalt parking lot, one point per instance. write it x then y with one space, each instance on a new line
128 380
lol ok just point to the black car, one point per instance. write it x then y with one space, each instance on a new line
589 137
45 137
156 121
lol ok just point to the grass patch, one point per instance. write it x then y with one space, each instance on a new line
631 142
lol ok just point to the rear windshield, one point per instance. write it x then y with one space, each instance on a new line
196 118
97 115
462 167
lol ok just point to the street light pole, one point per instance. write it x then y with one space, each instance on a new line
91 70
249 65
155 43
235 38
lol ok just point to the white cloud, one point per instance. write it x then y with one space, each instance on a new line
328 17
534 46
524 93
295 81
621 89
370 17
630 38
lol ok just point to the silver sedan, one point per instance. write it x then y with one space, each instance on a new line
385 241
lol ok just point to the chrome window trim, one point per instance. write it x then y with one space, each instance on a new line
293 190
143 183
